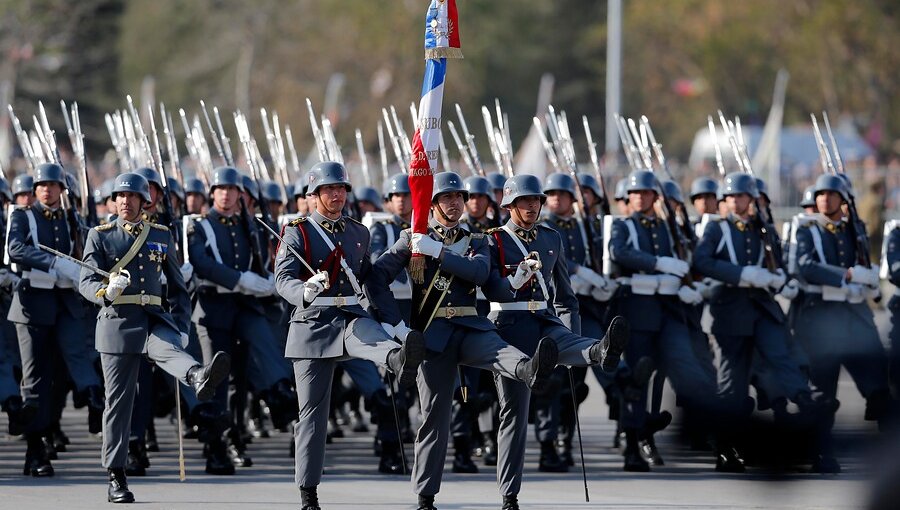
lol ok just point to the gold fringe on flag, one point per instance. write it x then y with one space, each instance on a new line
417 269
443 52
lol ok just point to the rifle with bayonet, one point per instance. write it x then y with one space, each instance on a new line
857 227
767 236
261 258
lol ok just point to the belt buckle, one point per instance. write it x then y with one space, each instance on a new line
145 300
532 306
451 312
340 301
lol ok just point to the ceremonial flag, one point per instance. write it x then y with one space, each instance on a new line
441 43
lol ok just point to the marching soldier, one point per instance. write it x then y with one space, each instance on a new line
834 324
327 321
385 234
221 250
651 299
808 201
23 190
621 198
48 313
133 322
457 262
703 197
481 200
368 200
195 199
746 318
581 241
531 298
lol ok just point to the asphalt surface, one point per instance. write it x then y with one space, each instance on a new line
688 479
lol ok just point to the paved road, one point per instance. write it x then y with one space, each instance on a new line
351 482
687 481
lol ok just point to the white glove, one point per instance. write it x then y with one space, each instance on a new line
689 295
314 286
864 276
8 279
252 283
388 329
400 331
755 276
422 243
671 265
523 274
187 271
790 290
777 279
604 294
579 285
185 339
590 276
68 270
267 287
855 293
117 284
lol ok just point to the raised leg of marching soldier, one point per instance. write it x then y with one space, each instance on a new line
327 322
455 262
526 258
134 324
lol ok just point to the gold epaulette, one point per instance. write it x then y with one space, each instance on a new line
106 226
491 231
297 221
477 235
157 226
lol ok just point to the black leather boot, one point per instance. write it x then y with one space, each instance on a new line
309 499
206 378
95 403
391 461
489 450
217 461
633 460
137 462
550 461
537 370
462 456
510 502
36 462
118 487
404 362
609 349
426 503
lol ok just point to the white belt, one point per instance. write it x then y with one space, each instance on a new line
335 301
40 279
529 306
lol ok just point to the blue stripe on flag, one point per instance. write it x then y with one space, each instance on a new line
435 70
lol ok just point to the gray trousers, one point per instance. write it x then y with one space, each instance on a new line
437 382
38 346
364 339
121 374
514 396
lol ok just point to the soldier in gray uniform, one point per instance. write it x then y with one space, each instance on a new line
48 313
133 321
229 263
834 324
327 321
455 334
531 298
